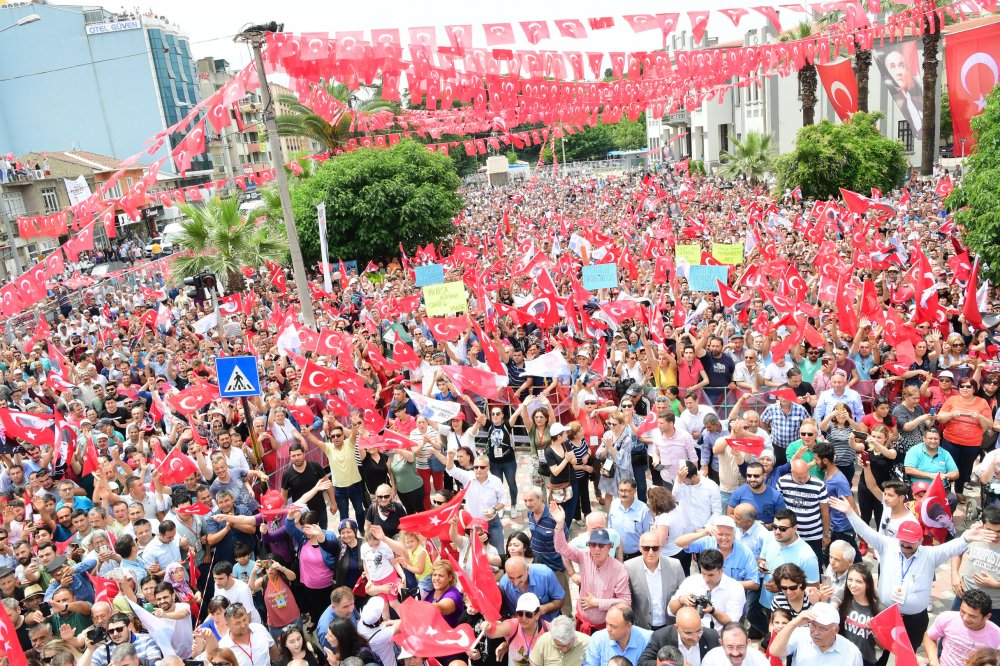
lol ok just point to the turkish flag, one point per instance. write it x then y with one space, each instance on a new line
841 87
935 514
423 632
433 523
316 379
752 445
856 203
888 629
196 509
447 328
302 414
473 380
970 307
176 467
971 59
193 398
9 641
944 187
404 354
649 424
36 429
105 589
278 280
784 394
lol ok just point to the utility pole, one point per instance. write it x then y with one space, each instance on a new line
255 36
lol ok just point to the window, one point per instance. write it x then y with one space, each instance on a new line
905 135
13 204
724 137
129 181
736 92
114 191
50 200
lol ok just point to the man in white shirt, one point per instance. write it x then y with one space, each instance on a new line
699 495
692 418
163 550
719 598
485 494
813 639
735 649
250 641
234 589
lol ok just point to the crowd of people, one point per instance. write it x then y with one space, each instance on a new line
702 483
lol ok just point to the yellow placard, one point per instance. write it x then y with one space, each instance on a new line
728 253
691 253
445 298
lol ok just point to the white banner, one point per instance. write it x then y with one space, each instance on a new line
77 189
438 411
324 251
551 364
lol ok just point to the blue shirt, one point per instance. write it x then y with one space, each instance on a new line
543 545
541 582
601 648
81 585
740 564
799 553
766 503
326 619
630 523
838 486
864 365
828 400
919 458
79 502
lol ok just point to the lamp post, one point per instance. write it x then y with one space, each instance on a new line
7 224
254 35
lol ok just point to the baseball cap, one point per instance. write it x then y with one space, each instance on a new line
946 373
599 536
910 530
56 564
372 610
824 613
724 521
557 429
528 602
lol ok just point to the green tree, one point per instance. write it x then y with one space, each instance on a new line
947 130
630 134
852 155
376 199
593 143
221 239
752 158
301 121
975 201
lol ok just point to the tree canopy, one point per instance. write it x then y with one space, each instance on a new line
376 199
752 157
852 155
975 200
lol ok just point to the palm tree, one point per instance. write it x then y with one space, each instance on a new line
752 158
862 66
301 121
932 26
222 240
808 78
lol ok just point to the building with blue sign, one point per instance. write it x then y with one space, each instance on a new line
76 77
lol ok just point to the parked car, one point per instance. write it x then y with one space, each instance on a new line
101 270
166 247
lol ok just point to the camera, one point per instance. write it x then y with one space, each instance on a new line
701 603
97 635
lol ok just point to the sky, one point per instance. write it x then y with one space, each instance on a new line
211 24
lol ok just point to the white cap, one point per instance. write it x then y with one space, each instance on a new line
528 602
824 613
724 521
557 429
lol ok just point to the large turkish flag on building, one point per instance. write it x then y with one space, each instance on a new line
972 58
841 87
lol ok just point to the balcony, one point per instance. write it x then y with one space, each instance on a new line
679 119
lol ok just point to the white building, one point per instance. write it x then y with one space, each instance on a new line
773 107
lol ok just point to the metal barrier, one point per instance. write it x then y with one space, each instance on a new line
554 171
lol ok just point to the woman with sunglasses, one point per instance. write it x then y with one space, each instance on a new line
521 631
560 459
296 649
538 425
615 454
792 596
966 417
839 428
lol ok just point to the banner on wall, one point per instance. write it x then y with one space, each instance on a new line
899 65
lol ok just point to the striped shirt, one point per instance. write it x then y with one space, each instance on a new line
805 499
609 583
543 546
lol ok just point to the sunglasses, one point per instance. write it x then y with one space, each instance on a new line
649 549
788 588
962 386
383 496
598 545
779 528
753 476
626 405
527 614
590 402
480 467
807 434
115 630
496 413
221 663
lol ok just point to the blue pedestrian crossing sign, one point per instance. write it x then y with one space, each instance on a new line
238 377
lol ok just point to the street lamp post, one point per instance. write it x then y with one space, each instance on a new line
254 35
7 224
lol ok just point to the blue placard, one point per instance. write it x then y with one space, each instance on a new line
429 274
600 276
704 278
238 377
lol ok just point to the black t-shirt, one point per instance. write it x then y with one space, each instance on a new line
375 473
719 370
553 459
499 443
804 389
120 417
299 483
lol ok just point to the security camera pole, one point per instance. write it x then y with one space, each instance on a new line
254 35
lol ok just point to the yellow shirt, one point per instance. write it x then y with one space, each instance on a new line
343 464
414 556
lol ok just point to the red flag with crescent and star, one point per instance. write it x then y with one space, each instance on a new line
9 642
972 61
841 87
176 467
433 523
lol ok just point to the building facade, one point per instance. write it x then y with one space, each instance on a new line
771 105
92 80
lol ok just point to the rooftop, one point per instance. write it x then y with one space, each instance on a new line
76 162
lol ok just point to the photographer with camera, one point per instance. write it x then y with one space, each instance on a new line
101 643
717 597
